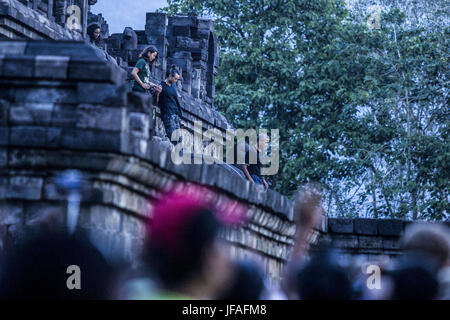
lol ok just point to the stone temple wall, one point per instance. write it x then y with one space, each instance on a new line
42 19
365 240
64 106
69 109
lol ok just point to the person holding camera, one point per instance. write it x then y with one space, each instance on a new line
141 72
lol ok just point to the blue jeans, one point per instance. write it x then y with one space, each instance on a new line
171 122
257 179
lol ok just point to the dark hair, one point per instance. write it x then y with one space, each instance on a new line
323 278
174 269
414 278
37 269
173 71
146 51
247 283
90 31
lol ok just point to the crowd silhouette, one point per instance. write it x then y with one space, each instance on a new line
183 257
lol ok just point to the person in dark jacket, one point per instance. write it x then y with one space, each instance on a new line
169 103
252 171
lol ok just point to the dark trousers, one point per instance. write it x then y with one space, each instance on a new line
257 179
171 123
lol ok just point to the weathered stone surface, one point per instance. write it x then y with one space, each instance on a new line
54 137
12 47
370 242
51 191
37 210
4 136
100 93
92 140
46 95
28 136
18 66
21 187
390 227
95 71
11 212
133 226
4 108
345 242
31 113
24 157
72 49
3 157
366 226
391 243
140 124
2 56
257 193
340 225
139 102
51 67
64 116
105 218
102 118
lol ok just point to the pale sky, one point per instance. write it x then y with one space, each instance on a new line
126 13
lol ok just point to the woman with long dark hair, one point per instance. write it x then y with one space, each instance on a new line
141 72
94 32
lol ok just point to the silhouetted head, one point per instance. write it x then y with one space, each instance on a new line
182 246
323 278
247 282
414 277
431 241
46 265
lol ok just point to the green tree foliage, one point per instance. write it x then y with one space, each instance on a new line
364 111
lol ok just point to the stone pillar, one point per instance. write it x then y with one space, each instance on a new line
50 9
156 32
60 11
196 83
183 60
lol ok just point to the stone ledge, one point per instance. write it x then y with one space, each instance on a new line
340 225
366 226
92 142
391 227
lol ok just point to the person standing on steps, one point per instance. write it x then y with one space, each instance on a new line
169 103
